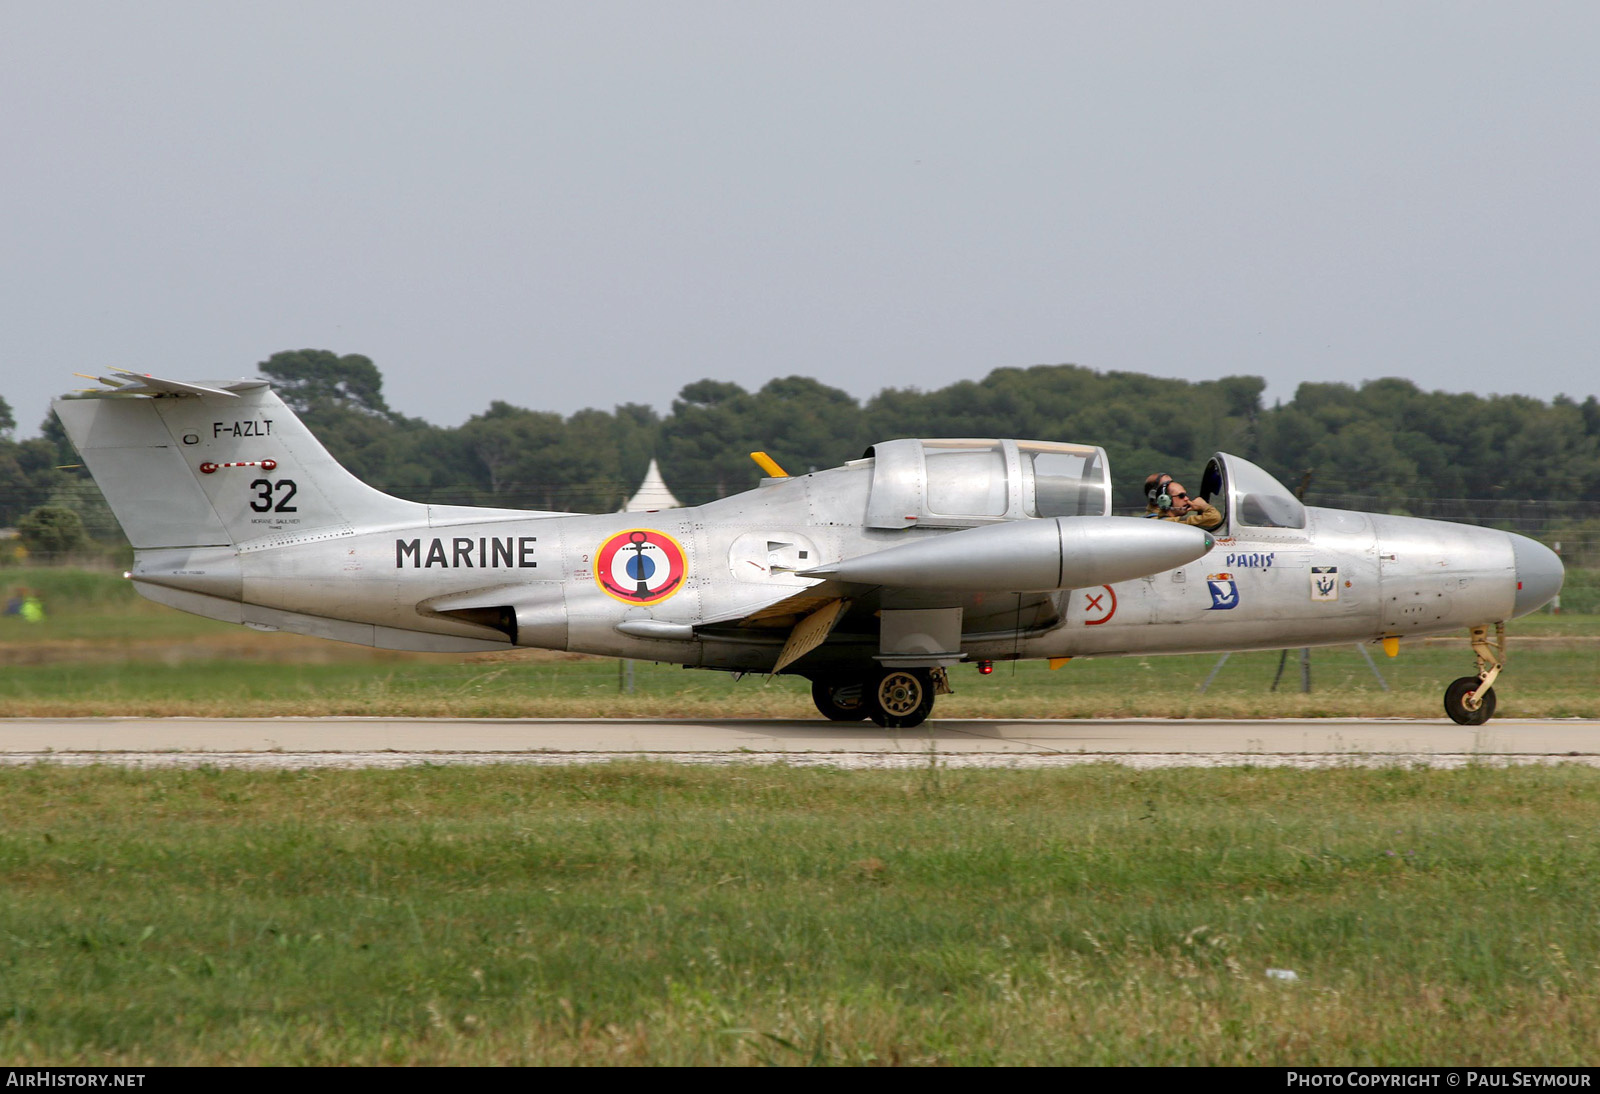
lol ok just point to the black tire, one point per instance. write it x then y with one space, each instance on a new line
1455 702
900 698
840 700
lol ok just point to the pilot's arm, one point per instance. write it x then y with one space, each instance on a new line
1207 518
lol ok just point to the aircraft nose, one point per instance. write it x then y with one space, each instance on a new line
1539 573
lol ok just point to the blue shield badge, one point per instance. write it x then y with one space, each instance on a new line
1224 592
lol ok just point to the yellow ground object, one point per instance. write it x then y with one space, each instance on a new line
769 465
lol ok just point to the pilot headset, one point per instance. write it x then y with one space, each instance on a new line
1157 493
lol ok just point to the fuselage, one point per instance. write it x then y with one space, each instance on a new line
871 579
1343 577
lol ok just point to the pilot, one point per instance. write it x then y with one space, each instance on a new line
1168 500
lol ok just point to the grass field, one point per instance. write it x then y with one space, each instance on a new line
105 651
650 914
633 913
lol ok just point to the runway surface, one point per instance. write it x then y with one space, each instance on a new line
395 742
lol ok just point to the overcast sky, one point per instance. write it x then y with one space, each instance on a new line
580 204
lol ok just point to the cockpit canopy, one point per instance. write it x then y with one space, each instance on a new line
1248 496
966 482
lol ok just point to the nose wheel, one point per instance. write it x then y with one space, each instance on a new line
1469 703
1470 700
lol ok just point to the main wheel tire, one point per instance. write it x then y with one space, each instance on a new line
1455 702
901 698
840 700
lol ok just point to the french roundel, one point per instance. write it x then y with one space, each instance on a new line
640 566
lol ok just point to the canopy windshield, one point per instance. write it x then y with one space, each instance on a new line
1254 498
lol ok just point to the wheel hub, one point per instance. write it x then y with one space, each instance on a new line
900 694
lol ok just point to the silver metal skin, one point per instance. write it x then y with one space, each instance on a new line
1539 574
920 555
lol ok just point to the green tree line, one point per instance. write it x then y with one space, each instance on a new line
1384 445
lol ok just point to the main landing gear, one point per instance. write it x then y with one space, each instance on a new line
1470 700
893 698
840 700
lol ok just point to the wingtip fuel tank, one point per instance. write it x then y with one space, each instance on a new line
1041 555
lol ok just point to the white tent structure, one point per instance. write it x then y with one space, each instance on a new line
652 494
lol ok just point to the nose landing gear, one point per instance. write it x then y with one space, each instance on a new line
1470 700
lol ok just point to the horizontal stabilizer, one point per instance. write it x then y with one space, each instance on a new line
155 384
122 382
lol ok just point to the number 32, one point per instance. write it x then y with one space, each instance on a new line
264 490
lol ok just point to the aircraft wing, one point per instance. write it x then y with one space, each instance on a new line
802 621
995 579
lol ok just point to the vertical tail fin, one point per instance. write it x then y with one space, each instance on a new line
202 464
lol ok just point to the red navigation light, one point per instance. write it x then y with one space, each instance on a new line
985 668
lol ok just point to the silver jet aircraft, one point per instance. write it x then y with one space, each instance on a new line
870 579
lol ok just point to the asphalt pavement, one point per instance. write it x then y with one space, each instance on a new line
997 742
